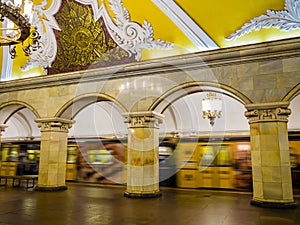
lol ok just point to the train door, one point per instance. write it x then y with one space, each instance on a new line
72 160
9 159
215 166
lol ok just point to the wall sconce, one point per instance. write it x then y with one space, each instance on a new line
17 28
211 107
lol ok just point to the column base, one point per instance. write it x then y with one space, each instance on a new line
274 205
61 188
140 195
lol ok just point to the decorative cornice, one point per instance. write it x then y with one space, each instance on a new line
54 124
285 20
269 112
143 119
243 54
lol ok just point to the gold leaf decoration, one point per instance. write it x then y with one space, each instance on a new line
83 42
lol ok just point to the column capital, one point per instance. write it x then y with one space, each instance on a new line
54 124
143 119
2 128
268 112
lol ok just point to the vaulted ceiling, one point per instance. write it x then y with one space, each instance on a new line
173 27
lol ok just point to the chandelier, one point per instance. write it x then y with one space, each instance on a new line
16 28
211 107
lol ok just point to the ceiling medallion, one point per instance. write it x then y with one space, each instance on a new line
20 32
285 20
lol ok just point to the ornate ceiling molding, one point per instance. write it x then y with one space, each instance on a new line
129 35
186 24
285 20
45 22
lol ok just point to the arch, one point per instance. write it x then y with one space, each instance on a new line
292 94
70 109
162 103
7 109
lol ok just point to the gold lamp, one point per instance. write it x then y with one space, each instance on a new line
18 29
211 107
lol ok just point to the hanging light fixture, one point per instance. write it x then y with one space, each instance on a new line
211 107
17 28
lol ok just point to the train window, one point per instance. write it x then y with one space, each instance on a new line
215 155
208 155
72 153
102 156
33 155
10 153
223 156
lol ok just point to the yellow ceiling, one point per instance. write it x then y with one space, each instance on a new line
218 18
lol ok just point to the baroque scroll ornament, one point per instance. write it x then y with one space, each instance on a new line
130 35
285 20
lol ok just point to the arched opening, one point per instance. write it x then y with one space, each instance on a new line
185 116
21 126
206 156
20 147
97 139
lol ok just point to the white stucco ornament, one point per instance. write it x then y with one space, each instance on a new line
129 35
286 20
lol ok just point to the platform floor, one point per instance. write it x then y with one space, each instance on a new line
85 204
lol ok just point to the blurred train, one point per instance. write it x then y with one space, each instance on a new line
186 162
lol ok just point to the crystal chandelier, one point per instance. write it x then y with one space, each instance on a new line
211 107
16 28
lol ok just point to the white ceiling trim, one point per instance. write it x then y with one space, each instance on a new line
186 24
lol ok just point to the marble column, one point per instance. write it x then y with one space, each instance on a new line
53 155
270 155
142 158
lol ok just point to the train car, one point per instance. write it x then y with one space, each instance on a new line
96 160
225 163
220 163
104 161
294 143
189 162
19 158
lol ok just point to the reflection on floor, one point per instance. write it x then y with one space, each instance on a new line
105 205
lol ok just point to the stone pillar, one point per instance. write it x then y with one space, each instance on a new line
142 158
270 155
2 129
53 155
